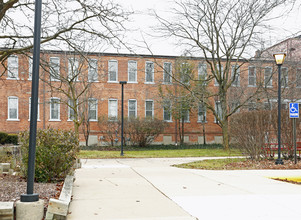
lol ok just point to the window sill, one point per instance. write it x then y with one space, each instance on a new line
93 120
37 120
169 121
112 82
252 86
149 82
202 122
8 78
54 119
12 119
133 82
93 81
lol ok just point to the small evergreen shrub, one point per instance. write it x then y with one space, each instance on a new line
3 138
12 139
55 154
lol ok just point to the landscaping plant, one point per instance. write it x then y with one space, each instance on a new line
56 152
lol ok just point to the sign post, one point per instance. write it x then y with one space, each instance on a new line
294 113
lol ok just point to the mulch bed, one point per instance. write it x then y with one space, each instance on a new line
12 187
262 165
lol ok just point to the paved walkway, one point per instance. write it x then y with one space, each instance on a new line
150 189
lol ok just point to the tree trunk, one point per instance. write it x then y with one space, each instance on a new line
225 130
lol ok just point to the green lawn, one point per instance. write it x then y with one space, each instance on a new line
211 164
159 153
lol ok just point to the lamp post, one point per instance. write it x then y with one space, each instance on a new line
122 83
279 59
30 196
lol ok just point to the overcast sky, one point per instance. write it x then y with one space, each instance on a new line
282 28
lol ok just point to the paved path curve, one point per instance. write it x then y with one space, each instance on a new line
150 189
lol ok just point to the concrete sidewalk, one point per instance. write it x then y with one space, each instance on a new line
152 189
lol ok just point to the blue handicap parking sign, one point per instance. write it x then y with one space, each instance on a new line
294 110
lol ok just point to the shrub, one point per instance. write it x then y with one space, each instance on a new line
3 138
249 131
12 139
55 154
142 132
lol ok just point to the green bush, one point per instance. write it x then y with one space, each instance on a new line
55 154
12 139
3 138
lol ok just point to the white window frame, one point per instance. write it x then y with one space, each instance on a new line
54 66
236 82
204 111
249 76
13 71
222 72
9 107
96 108
30 68
57 101
29 109
202 71
152 73
92 70
109 116
270 83
132 100
149 100
164 109
73 69
110 62
70 109
166 74
132 70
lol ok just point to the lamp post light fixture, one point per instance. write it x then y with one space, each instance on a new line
122 83
279 59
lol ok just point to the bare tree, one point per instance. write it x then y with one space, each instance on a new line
64 24
176 100
74 82
222 32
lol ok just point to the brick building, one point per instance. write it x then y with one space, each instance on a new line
103 71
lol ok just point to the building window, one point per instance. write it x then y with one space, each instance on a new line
132 71
38 118
185 115
235 105
92 71
13 108
149 108
167 111
92 111
73 69
113 109
284 77
251 106
30 65
235 72
218 111
132 111
54 109
113 71
149 72
202 73
202 113
12 67
71 110
54 68
298 78
220 74
268 77
252 75
185 73
167 73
